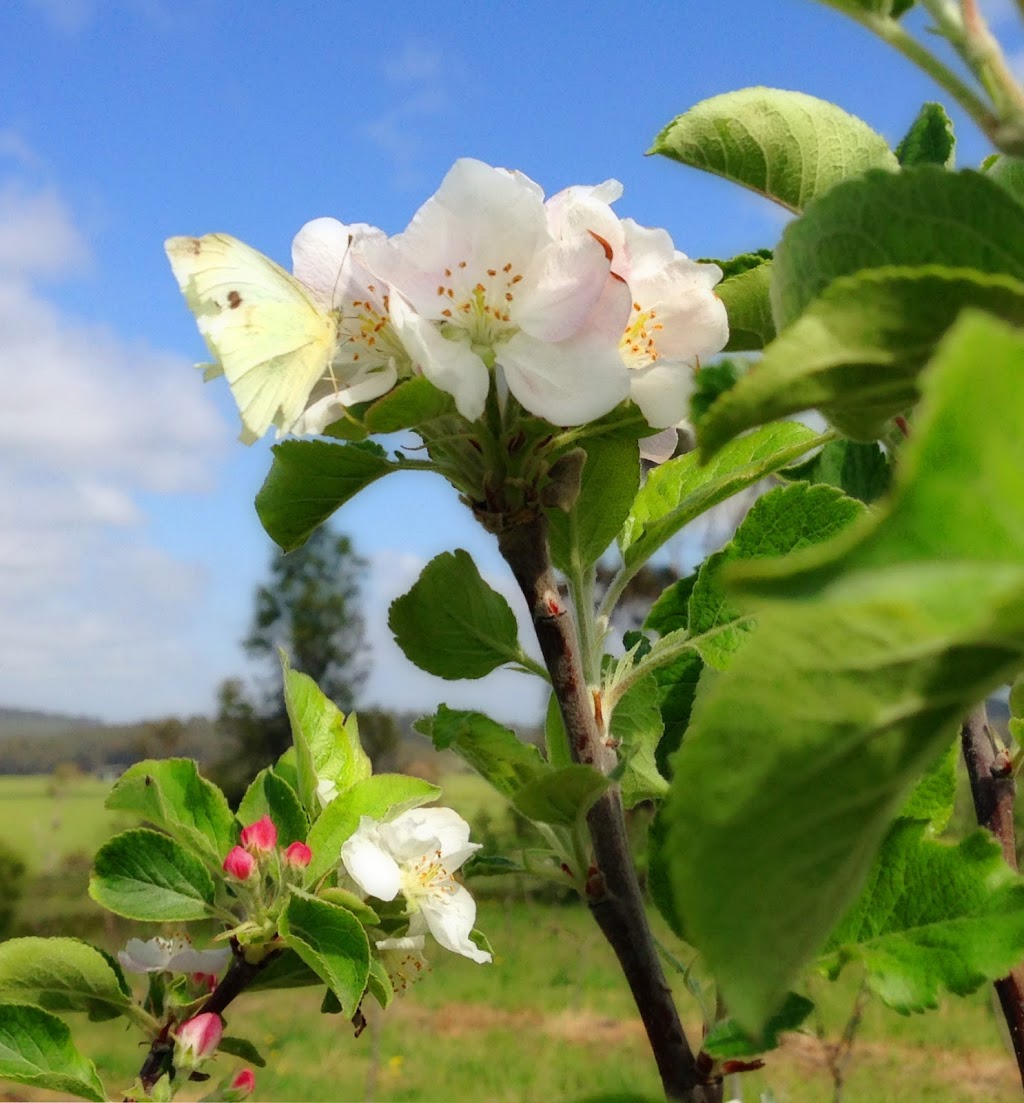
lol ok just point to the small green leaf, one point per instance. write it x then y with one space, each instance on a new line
561 797
380 797
269 795
930 139
637 727
712 381
242 1047
856 352
1008 173
170 794
332 942
36 1049
284 970
610 479
142 874
492 750
681 489
934 796
309 480
920 216
352 903
411 403
747 299
62 974
727 1040
452 624
934 917
858 469
378 983
786 146
327 747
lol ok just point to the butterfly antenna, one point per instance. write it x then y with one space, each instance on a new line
341 268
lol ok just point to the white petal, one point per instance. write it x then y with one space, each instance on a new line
372 868
146 956
662 391
561 288
407 942
585 210
326 257
450 917
199 961
660 447
421 831
452 366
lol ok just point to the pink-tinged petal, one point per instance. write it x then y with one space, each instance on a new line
239 864
659 447
692 323
198 1039
452 366
450 917
584 210
647 251
561 288
298 855
372 868
662 391
260 837
243 1084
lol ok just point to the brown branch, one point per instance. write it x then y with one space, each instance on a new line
994 791
613 892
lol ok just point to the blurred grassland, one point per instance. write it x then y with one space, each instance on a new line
550 1020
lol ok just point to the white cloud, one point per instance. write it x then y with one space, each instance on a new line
68 16
95 615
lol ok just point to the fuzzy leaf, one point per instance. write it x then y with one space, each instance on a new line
561 796
930 140
411 403
786 146
637 726
728 1040
271 795
859 470
36 1049
747 302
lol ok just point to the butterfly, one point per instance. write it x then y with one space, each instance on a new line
270 337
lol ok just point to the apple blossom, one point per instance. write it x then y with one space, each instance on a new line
240 864
260 837
488 286
403 959
198 1039
416 854
170 955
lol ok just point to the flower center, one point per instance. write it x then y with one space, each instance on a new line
365 332
428 876
639 344
481 310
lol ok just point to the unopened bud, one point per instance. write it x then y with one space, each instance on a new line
243 1084
240 864
198 1039
298 855
260 837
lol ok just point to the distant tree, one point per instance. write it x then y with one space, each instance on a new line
309 608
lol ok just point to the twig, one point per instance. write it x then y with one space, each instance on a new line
613 893
994 791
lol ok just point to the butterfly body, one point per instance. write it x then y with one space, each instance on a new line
271 339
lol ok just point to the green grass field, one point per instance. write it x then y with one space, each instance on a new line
550 1020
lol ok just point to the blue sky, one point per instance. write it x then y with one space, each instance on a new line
129 548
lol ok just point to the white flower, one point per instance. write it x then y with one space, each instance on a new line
676 319
416 854
328 259
490 287
170 955
403 959
326 790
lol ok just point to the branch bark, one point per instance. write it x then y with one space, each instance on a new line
994 791
613 892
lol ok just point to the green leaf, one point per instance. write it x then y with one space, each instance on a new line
411 403
332 942
920 216
784 520
886 8
556 742
659 876
681 489
712 381
747 299
637 726
379 985
309 480
170 794
327 747
242 1047
1008 173
677 690
380 797
611 477
36 1049
561 797
930 139
934 796
142 874
868 649
934 917
859 470
727 1040
786 146
62 974
352 903
269 795
856 352
452 624
284 970
492 750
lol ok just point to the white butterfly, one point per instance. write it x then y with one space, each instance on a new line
270 336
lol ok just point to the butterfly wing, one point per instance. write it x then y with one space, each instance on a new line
269 337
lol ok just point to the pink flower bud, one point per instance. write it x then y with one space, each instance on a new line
204 981
243 1084
198 1039
260 837
240 863
298 855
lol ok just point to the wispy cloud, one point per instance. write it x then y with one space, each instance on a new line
415 77
91 424
71 17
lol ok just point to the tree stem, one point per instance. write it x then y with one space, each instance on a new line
994 791
613 893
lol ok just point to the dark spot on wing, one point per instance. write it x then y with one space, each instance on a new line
234 300
196 246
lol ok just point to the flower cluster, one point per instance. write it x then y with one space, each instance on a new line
559 303
259 842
